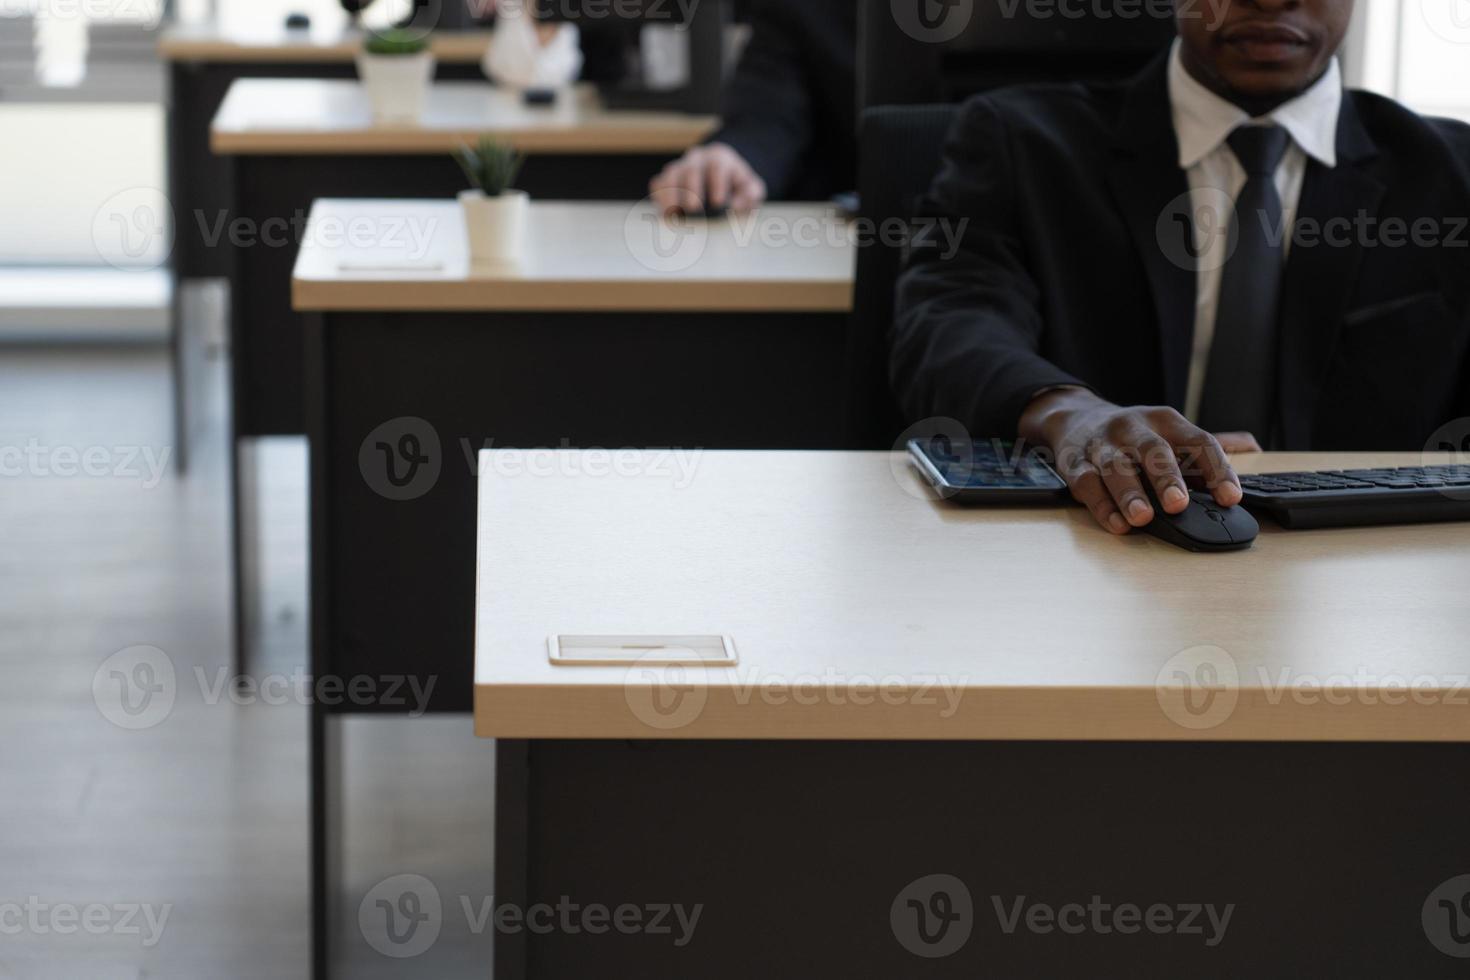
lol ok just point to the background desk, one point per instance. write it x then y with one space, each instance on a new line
582 346
1069 766
293 141
205 59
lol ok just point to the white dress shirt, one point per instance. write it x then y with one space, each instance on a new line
1202 122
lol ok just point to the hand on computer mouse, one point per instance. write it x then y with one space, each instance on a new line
708 178
1104 451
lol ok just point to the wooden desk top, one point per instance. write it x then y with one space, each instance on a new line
262 44
841 581
333 116
597 257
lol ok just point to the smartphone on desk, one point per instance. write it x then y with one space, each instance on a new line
986 471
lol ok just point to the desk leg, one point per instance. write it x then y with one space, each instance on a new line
326 836
324 765
178 356
512 850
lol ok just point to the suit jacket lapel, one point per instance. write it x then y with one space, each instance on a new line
1152 193
1322 265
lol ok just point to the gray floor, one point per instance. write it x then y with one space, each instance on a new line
114 814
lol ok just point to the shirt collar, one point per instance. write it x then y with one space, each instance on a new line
1202 119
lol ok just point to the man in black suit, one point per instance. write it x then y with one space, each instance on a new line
1126 296
790 114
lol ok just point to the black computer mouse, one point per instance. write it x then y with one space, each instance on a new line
298 22
1204 525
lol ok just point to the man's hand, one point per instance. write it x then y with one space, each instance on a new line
708 176
1104 451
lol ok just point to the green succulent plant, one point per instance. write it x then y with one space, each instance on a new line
490 165
395 42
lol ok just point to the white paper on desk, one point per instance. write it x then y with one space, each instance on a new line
517 59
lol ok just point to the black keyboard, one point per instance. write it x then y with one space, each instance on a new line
1342 498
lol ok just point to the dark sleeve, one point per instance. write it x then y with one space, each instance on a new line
767 103
968 322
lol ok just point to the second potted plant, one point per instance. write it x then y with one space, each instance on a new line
396 68
494 213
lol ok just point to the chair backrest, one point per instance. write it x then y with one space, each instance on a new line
920 51
900 148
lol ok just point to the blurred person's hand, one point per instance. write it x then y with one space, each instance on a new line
711 176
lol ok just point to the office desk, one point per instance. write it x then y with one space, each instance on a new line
293 141
204 60
1011 697
426 357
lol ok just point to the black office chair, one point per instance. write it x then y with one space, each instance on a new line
899 151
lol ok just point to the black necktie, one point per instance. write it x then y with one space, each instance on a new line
1240 381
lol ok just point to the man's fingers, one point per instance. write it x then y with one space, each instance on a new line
1089 490
1120 476
680 185
750 192
1238 442
1206 459
719 172
1156 458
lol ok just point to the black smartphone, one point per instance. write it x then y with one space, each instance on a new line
991 471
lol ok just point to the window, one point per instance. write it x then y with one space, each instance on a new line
1418 51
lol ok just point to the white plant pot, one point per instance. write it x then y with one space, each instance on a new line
396 84
495 226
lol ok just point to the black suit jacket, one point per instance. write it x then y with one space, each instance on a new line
1071 269
791 107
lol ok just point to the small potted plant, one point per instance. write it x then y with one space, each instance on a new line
396 68
494 214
